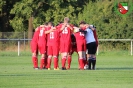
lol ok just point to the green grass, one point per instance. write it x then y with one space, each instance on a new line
113 71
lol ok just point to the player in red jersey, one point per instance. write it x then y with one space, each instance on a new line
65 40
81 47
42 43
53 46
34 48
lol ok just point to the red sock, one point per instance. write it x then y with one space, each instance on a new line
36 62
49 62
55 62
63 62
33 61
81 63
69 61
41 63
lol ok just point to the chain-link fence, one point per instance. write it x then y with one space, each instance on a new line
14 42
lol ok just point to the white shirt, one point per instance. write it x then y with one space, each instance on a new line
89 36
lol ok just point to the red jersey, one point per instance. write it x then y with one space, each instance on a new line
65 34
79 36
42 36
35 37
53 37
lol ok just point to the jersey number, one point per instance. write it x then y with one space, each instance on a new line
51 35
65 31
41 33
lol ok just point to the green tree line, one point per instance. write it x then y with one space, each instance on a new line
26 15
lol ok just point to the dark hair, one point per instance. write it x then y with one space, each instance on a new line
82 22
52 24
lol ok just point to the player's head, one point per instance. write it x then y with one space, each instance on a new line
50 24
82 24
66 20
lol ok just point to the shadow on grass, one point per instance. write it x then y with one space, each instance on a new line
116 68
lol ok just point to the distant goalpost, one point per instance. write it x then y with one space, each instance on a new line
131 45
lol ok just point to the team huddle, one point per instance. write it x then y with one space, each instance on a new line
64 39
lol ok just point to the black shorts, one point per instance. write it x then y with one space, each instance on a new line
92 48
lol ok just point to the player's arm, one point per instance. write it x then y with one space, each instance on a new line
68 25
63 26
51 30
92 28
83 31
76 29
88 26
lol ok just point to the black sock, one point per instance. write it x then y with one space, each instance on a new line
93 63
89 63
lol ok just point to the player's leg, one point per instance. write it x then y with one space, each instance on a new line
64 58
84 59
81 62
80 54
45 61
89 48
69 59
35 60
84 52
42 52
65 49
94 56
93 62
55 55
34 55
42 61
49 60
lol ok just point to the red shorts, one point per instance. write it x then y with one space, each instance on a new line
65 47
81 45
33 47
42 48
53 50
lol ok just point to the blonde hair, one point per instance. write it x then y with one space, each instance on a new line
66 19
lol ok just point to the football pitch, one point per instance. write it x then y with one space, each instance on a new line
112 71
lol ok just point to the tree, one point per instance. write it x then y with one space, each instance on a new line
43 11
5 16
108 23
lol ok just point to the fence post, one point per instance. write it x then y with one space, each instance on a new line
18 47
131 47
24 40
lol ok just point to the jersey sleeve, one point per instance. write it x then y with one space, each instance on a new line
58 27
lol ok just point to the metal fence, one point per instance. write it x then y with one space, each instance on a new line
16 41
